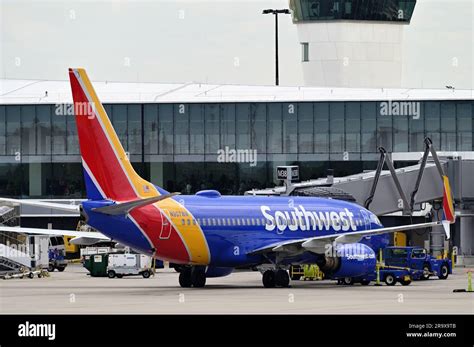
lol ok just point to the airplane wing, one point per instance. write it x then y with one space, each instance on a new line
316 244
87 237
62 207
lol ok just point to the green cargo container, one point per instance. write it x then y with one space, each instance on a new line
96 264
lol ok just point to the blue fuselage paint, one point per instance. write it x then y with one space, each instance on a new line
237 225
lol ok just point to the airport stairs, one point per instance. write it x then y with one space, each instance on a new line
7 265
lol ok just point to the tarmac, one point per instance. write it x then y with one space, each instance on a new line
75 292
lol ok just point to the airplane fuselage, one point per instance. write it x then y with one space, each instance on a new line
215 230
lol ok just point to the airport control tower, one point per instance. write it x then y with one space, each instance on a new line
386 43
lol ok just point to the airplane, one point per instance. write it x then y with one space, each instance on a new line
210 234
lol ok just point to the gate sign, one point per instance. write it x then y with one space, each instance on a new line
290 173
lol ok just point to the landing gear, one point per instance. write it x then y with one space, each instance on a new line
185 277
194 276
198 276
282 279
276 278
268 279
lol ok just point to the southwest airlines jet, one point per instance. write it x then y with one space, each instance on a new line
208 233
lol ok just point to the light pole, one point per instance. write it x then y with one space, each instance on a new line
276 13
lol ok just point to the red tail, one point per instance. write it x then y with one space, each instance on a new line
107 169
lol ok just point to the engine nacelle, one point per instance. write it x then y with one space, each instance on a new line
349 260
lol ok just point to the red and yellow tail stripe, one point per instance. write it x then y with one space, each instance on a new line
448 206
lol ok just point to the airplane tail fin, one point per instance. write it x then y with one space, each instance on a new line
108 172
448 207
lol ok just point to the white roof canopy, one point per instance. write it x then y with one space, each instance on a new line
52 92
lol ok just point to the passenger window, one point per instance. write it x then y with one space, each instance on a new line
189 222
238 221
214 221
183 222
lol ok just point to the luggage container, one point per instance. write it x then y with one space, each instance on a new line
96 264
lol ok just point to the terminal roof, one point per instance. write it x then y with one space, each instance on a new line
52 92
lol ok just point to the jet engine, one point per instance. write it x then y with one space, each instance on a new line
348 260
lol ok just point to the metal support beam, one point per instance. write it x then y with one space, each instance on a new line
419 177
406 209
370 198
386 158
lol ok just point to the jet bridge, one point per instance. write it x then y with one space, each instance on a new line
404 191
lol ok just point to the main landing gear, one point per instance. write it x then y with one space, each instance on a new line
276 278
192 276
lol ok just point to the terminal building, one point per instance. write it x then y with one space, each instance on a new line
231 138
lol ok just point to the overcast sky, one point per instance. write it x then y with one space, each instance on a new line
219 41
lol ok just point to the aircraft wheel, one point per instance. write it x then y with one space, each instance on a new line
61 268
51 268
268 279
198 277
146 274
390 280
185 277
365 282
443 272
119 275
282 279
111 273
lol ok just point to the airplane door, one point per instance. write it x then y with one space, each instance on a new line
366 219
165 225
